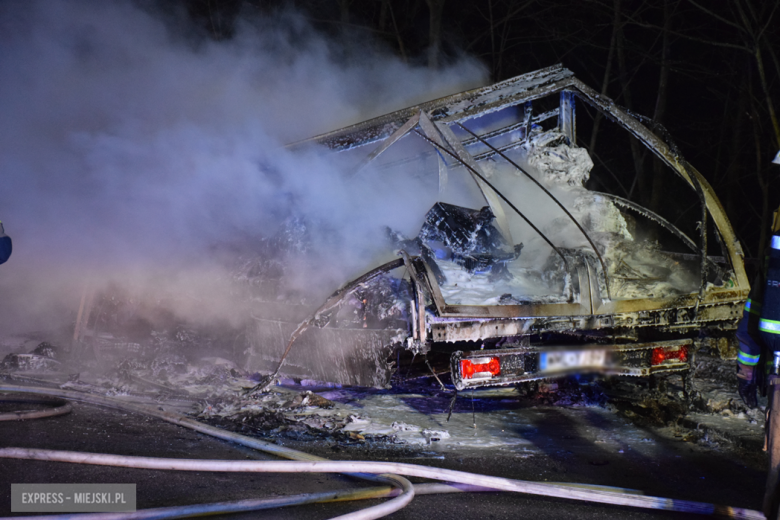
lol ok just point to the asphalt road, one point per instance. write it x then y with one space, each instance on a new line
583 445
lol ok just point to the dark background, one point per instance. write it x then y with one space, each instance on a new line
706 71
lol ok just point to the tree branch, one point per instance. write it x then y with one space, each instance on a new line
694 38
716 16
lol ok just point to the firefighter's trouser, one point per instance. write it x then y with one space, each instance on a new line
769 329
769 324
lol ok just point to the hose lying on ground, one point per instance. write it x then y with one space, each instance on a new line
61 407
370 513
240 506
309 463
394 468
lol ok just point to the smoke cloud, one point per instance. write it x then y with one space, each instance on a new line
131 153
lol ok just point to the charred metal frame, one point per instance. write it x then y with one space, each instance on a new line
487 184
720 305
568 128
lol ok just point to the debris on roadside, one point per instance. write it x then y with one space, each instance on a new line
41 359
213 389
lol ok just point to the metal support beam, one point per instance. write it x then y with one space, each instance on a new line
433 133
566 117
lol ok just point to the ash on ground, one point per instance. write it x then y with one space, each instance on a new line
417 412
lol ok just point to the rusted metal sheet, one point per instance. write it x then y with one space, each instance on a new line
681 319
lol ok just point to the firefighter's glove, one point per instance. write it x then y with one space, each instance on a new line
746 380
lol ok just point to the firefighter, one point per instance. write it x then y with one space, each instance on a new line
769 331
769 324
759 332
749 348
759 327
5 245
769 337
750 342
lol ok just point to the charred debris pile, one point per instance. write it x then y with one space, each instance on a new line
217 391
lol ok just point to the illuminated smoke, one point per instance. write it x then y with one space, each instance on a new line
130 154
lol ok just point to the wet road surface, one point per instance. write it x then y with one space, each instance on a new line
514 438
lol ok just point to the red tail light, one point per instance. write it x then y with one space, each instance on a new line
468 367
675 354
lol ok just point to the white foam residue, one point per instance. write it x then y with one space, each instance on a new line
562 164
562 169
637 268
464 288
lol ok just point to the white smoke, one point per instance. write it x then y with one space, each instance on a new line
128 152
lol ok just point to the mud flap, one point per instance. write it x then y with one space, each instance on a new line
353 357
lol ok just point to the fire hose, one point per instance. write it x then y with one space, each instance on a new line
61 407
385 472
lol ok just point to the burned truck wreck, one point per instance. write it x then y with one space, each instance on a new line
539 276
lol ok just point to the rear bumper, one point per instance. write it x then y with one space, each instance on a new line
478 368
